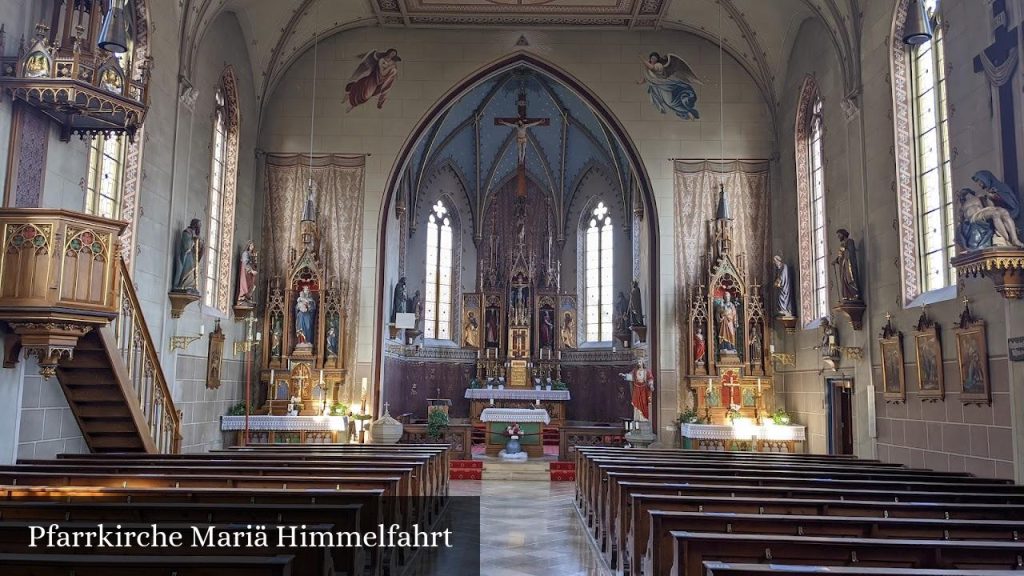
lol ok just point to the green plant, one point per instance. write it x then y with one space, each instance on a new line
781 417
237 409
732 414
559 385
474 383
437 424
362 416
339 409
689 416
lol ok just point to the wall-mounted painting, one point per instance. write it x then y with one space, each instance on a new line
972 357
215 357
893 377
373 78
930 381
670 82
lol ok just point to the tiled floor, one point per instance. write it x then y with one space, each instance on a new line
530 529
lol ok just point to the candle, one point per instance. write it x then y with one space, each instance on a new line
709 385
202 329
758 385
771 348
322 377
271 377
259 336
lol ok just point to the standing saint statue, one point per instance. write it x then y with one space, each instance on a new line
248 267
471 332
186 265
728 322
332 337
636 310
845 265
643 385
568 331
547 328
783 292
305 311
399 302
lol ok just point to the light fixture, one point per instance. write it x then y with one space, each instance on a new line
918 28
114 33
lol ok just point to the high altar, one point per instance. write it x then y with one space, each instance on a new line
303 363
728 368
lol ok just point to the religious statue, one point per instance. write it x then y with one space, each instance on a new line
186 265
755 347
305 311
491 327
845 265
669 83
568 331
471 331
987 214
111 81
622 316
37 66
399 302
699 347
275 338
415 305
521 124
332 337
728 323
373 77
829 343
547 328
636 311
783 292
248 267
643 385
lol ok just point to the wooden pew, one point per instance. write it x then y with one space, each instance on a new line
639 539
658 559
14 539
728 569
105 565
692 549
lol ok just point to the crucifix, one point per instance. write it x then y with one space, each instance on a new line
998 62
521 123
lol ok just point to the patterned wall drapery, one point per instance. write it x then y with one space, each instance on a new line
338 182
696 196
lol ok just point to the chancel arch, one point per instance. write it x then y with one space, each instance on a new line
527 149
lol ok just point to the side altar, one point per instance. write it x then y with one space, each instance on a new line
303 361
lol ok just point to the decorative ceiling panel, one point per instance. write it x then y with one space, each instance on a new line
561 13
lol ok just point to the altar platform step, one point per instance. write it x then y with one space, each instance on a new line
536 471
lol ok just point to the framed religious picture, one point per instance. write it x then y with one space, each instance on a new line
972 359
930 381
493 326
472 325
568 335
893 377
546 322
215 357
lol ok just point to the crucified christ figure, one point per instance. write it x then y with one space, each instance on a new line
521 125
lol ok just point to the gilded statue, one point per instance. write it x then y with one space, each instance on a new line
728 323
471 332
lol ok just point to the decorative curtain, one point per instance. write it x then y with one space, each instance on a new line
696 197
338 183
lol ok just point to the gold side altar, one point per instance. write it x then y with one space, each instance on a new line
303 358
728 365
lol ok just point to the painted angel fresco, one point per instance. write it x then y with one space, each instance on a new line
670 83
372 78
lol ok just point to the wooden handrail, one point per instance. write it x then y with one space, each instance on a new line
142 360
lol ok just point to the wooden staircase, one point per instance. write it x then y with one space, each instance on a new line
66 295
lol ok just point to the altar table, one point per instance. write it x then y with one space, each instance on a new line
531 422
265 429
743 435
552 401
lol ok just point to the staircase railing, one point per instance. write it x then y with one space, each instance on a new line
142 361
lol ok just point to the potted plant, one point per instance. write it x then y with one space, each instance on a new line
474 383
688 416
732 413
559 385
339 409
237 409
781 417
437 424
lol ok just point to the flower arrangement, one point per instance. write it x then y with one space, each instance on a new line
339 409
513 430
474 383
781 417
559 385
437 424
733 412
237 409
689 416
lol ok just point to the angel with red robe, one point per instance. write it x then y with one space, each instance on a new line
372 78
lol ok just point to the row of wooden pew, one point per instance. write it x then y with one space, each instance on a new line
694 513
325 487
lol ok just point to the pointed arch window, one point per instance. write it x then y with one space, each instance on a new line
923 159
812 220
104 184
437 306
220 223
598 258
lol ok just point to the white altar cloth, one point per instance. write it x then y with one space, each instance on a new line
769 432
515 415
517 394
266 423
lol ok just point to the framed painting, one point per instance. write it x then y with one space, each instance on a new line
215 357
972 359
893 376
471 323
930 379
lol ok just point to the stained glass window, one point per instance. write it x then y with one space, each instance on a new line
932 157
598 257
437 306
818 245
216 214
106 172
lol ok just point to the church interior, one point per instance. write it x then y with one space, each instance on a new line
694 287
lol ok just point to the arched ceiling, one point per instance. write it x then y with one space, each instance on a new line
467 138
758 33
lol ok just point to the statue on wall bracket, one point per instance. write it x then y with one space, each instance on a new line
988 234
636 313
248 270
188 254
784 295
847 273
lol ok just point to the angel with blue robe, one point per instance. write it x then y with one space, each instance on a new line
670 83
